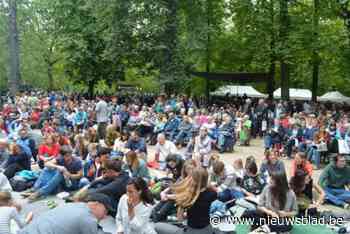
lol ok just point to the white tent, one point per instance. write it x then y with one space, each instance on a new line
334 97
236 90
295 94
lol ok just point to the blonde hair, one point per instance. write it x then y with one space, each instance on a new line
5 198
188 190
132 160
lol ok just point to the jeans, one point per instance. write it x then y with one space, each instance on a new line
268 142
338 197
314 156
48 182
229 194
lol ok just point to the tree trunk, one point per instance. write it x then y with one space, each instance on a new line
91 86
50 76
315 55
271 83
168 65
284 41
14 74
207 82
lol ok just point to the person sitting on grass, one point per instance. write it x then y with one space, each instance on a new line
65 171
253 183
134 209
137 166
194 195
335 181
303 187
224 179
72 218
17 161
113 183
174 164
278 202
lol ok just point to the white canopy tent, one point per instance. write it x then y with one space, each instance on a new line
334 96
295 94
236 90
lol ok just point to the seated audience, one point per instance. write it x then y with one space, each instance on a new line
48 150
17 161
164 148
334 180
276 201
64 172
137 166
303 187
194 195
134 209
72 217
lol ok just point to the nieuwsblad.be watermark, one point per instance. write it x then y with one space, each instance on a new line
218 220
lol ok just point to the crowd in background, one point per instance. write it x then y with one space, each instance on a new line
98 151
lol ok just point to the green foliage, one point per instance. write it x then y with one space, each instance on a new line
71 44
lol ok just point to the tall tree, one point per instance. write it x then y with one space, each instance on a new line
15 74
284 30
315 54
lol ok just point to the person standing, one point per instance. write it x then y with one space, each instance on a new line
102 116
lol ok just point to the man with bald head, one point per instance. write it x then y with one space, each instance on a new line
164 148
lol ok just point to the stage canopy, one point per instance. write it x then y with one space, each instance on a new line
334 97
295 94
236 90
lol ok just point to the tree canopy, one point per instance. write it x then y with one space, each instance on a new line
94 45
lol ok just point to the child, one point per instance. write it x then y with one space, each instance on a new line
8 212
238 167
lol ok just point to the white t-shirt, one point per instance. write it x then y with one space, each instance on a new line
140 223
164 150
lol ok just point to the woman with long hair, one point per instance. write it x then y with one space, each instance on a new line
277 202
193 195
137 166
134 209
272 164
303 187
80 147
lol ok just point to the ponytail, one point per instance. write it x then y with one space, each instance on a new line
141 185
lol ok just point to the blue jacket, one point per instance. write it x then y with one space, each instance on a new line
139 145
172 125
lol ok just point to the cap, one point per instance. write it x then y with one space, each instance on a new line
101 198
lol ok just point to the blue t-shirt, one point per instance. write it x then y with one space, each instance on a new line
74 167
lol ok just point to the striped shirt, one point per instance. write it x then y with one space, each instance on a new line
6 215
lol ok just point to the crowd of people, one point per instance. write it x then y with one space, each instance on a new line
98 151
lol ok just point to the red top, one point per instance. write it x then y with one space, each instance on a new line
306 166
51 151
35 117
